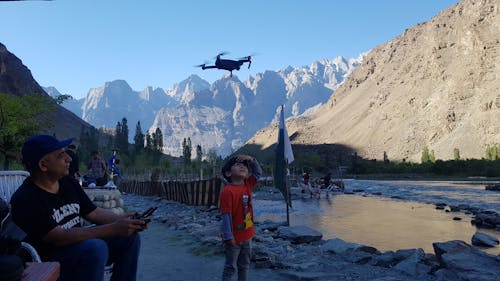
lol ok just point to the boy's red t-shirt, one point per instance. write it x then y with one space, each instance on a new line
232 202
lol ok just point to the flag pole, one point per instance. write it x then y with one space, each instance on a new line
287 208
284 156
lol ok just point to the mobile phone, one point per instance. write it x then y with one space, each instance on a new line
146 215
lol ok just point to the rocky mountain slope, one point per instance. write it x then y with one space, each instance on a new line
435 85
16 79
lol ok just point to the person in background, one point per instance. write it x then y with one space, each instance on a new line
115 171
112 160
75 163
327 180
237 214
98 169
48 206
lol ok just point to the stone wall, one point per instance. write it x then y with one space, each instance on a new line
106 198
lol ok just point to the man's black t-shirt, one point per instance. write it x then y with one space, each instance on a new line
37 211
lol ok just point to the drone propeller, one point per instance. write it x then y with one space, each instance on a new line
247 58
223 53
200 65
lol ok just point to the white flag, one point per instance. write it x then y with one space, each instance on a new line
286 140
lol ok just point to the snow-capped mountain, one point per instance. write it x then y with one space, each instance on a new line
222 115
105 106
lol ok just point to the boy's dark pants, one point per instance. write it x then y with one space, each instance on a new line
237 257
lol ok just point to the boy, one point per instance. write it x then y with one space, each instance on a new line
237 214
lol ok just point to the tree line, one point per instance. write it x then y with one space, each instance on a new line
146 153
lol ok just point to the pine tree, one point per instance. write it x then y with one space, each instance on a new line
118 133
149 142
124 137
157 137
190 148
432 158
186 150
199 153
138 138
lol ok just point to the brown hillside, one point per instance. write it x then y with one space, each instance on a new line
16 79
436 85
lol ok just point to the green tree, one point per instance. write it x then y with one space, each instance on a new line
432 158
149 142
21 117
386 159
186 150
62 98
121 139
488 153
157 140
214 161
89 141
456 154
199 153
425 155
138 138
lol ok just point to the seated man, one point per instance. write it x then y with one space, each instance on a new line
48 206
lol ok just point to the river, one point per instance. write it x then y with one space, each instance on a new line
376 218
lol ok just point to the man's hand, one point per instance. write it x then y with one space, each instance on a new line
128 226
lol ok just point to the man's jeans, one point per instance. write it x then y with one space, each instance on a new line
237 257
86 260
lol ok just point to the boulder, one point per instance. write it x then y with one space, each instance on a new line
269 225
466 262
413 265
339 246
493 187
484 240
299 234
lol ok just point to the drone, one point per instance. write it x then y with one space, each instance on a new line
226 64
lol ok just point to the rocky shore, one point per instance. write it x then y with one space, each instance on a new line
299 253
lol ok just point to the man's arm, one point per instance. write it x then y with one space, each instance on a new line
59 236
101 216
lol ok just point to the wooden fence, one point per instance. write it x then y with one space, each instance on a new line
199 193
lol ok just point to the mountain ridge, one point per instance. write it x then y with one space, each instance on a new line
436 86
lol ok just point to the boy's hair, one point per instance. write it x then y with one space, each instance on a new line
227 167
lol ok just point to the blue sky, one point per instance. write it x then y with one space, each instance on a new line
76 45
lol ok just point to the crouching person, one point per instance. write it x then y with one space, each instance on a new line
48 206
237 214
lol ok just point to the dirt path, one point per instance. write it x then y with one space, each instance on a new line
166 256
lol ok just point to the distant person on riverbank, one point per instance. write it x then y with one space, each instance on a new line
115 172
237 214
75 163
48 206
98 169
326 180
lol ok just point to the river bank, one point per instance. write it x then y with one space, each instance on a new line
422 177
183 239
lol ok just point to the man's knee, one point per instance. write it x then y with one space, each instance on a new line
94 250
